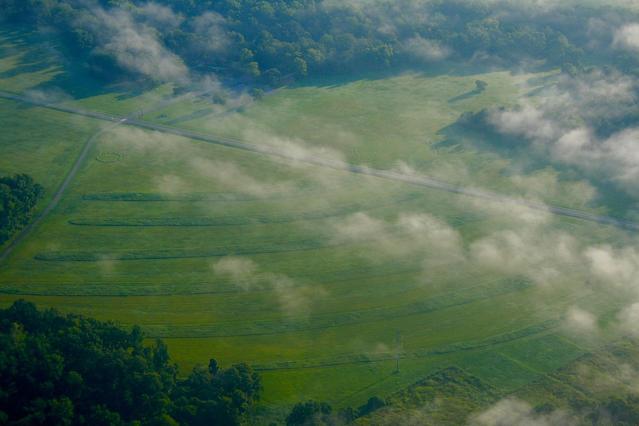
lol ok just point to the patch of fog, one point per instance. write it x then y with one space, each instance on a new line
135 45
295 300
561 126
512 411
231 176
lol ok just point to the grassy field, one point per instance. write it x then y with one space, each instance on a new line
321 279
390 122
579 390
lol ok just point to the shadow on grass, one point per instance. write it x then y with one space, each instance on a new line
71 76
472 131
465 96
458 68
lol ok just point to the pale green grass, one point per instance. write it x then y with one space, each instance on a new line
389 123
23 63
41 143
124 100
328 323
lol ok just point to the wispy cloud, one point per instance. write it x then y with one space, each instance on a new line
134 44
425 50
512 411
565 126
581 322
410 234
231 177
294 299
627 37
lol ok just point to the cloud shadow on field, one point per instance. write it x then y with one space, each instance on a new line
471 131
452 68
41 53
465 96
32 59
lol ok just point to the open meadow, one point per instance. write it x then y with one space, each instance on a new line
325 280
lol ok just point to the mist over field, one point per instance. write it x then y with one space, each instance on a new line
319 212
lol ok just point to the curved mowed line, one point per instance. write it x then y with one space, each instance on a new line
221 221
241 220
272 246
362 358
141 197
330 320
85 256
335 319
137 289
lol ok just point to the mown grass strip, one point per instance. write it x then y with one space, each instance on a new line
239 250
159 197
235 220
338 319
183 288
360 358
212 221
495 340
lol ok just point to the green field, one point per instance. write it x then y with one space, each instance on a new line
579 389
319 278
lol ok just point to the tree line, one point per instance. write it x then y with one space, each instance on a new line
271 42
60 369
18 197
68 370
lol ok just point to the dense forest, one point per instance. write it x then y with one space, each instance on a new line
60 369
271 42
67 370
18 197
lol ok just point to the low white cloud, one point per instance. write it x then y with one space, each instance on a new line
616 267
48 96
629 320
231 177
359 227
562 126
512 411
414 234
425 50
528 121
540 256
242 272
627 37
294 299
134 44
580 322
296 151
213 37
159 16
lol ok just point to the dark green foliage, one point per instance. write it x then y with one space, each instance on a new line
481 85
313 413
621 411
69 370
577 387
373 404
18 196
310 413
276 42
445 397
223 396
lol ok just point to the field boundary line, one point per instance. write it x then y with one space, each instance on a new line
75 167
57 195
